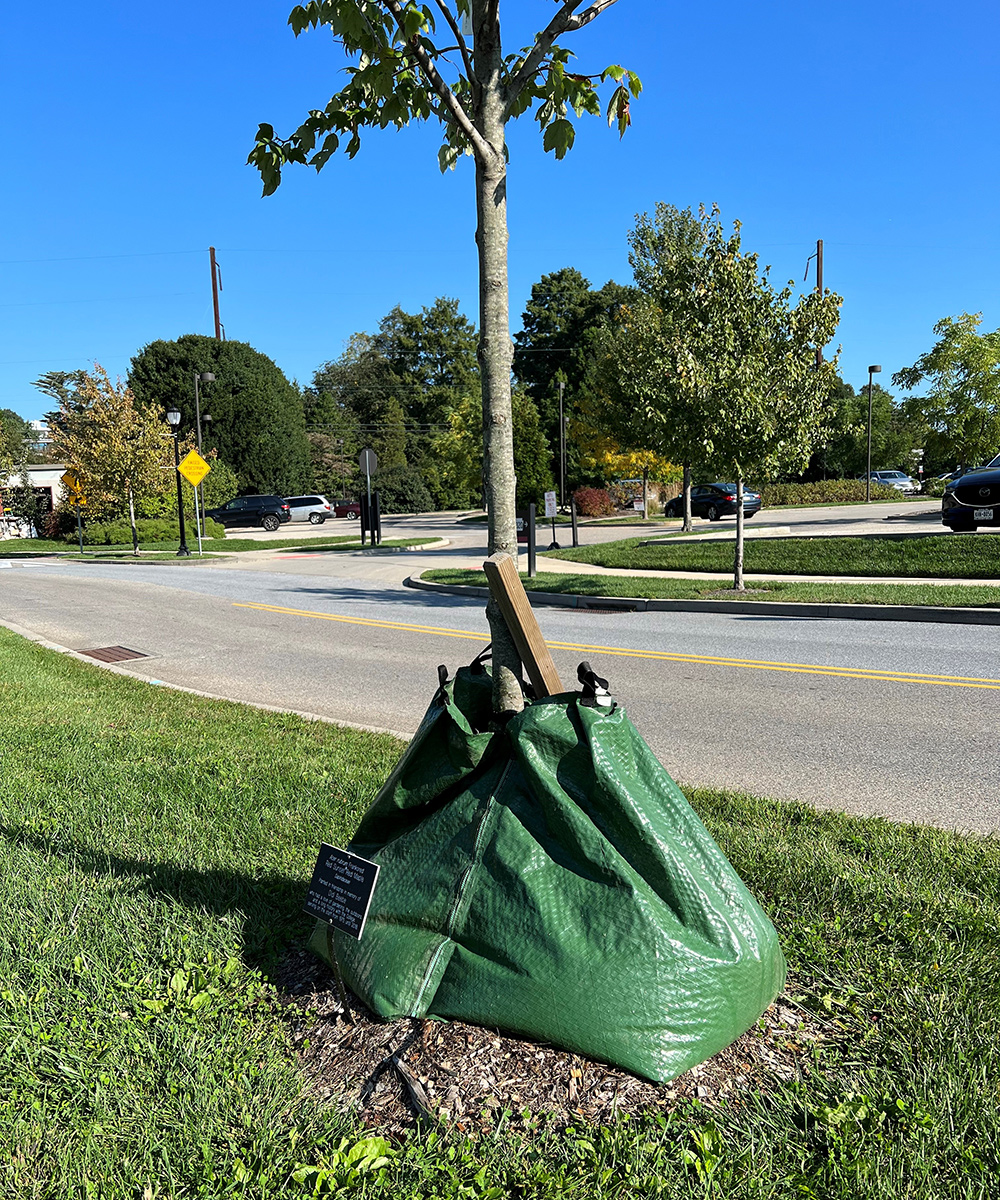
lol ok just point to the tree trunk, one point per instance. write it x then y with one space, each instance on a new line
687 526
131 521
645 493
495 351
738 584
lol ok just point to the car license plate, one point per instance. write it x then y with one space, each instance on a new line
983 514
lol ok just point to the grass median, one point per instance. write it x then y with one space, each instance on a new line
155 852
954 556
153 551
644 588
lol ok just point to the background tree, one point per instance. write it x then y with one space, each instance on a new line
357 397
398 79
460 452
557 343
963 404
897 432
118 445
14 432
258 424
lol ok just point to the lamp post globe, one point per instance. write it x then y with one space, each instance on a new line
173 418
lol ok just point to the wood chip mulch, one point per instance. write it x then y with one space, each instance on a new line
395 1073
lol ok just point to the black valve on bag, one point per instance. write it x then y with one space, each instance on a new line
595 689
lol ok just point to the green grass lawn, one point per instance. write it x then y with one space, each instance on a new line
154 856
928 555
936 594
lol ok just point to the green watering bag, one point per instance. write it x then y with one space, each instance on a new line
549 878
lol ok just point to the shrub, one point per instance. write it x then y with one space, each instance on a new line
402 490
824 491
119 533
593 502
935 487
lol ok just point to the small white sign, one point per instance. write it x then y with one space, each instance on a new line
638 506
550 504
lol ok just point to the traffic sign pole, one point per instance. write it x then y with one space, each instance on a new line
79 526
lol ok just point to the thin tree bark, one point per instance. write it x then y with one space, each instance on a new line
687 526
131 519
738 584
495 351
645 493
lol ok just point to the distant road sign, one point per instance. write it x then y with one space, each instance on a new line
368 461
71 480
550 504
194 468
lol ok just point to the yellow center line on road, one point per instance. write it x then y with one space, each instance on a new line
871 674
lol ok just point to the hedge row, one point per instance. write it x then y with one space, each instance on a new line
119 533
824 491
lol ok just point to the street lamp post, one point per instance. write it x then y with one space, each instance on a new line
174 421
868 477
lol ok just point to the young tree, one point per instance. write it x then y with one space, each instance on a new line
963 370
118 446
716 367
764 395
400 77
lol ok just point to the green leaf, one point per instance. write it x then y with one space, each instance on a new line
559 136
447 157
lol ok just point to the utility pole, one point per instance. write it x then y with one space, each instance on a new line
216 288
819 288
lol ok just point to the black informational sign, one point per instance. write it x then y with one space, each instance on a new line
341 890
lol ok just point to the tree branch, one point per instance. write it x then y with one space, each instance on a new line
543 44
448 98
566 20
449 16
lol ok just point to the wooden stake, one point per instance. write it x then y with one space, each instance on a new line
508 591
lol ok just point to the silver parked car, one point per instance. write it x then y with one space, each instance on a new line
896 479
314 509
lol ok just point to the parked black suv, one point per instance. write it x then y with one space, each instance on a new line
972 499
268 511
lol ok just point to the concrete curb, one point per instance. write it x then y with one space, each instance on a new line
115 669
772 608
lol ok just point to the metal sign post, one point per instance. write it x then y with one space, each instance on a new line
368 462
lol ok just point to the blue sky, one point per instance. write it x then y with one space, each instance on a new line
872 126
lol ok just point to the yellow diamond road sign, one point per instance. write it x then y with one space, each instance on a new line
194 468
71 480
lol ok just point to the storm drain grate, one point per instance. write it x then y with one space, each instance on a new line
113 654
592 608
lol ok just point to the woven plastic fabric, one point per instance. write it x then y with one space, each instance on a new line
550 879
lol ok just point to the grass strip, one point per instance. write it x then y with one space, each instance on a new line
933 594
155 850
924 555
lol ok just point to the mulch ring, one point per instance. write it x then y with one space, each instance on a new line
393 1073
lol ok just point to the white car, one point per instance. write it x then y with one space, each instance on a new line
314 509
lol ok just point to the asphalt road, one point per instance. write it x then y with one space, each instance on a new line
870 717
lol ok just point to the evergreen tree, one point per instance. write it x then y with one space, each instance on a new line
258 424
556 344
